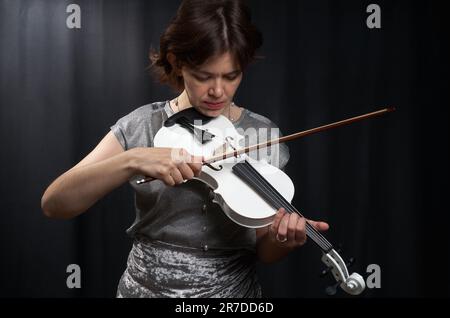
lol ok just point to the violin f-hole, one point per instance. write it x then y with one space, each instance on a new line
212 167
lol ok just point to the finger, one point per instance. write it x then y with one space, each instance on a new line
194 162
283 227
176 175
168 180
276 221
319 225
185 171
195 167
300 233
163 174
292 225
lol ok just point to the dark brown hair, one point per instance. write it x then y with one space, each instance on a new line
202 29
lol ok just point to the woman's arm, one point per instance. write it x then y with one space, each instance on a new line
107 167
104 169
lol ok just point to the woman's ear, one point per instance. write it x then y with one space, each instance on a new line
174 63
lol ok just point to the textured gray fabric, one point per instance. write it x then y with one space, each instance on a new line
182 272
185 217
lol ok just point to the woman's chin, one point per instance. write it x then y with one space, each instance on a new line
210 112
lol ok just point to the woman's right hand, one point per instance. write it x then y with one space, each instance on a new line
170 165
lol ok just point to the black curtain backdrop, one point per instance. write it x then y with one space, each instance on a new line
381 184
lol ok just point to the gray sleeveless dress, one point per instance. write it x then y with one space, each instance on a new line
184 245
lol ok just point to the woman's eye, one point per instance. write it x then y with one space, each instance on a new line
201 78
206 78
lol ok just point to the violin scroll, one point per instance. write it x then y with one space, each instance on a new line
352 284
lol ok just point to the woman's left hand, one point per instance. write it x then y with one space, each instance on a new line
288 229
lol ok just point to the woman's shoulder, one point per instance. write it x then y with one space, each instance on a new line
259 117
152 113
137 128
252 119
146 111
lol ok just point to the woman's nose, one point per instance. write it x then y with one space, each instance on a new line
216 90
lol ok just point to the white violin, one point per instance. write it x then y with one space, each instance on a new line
250 192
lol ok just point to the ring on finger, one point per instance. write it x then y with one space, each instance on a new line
279 239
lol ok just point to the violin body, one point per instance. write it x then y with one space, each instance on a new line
232 194
241 205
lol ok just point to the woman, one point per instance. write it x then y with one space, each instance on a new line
184 246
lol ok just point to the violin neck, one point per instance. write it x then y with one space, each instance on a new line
247 173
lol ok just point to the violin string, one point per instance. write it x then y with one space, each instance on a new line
288 206
309 230
276 197
314 234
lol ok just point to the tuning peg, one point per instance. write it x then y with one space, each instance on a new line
350 261
332 289
325 272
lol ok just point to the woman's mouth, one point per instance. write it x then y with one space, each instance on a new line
214 106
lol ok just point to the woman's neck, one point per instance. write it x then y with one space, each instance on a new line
182 101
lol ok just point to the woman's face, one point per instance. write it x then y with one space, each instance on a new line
211 87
